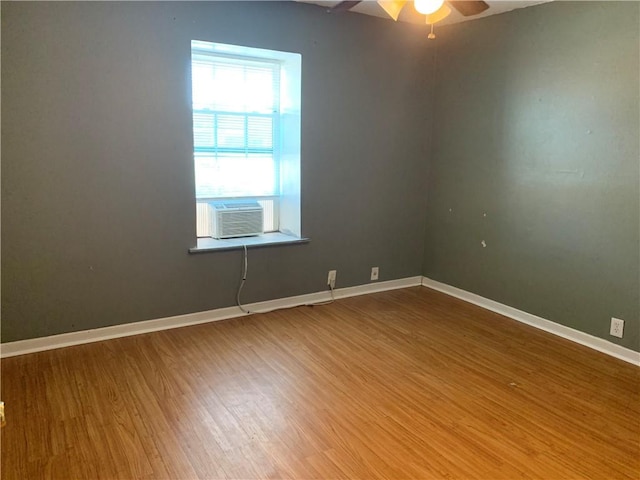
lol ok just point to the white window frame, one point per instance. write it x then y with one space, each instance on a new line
287 128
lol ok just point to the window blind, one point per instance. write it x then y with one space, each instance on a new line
235 125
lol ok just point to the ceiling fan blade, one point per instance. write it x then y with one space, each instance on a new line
343 6
440 14
469 7
392 7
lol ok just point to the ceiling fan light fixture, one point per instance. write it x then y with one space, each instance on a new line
392 7
440 14
427 7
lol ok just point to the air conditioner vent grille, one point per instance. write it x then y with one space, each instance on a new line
236 206
236 219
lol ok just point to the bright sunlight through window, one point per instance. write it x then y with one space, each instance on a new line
246 132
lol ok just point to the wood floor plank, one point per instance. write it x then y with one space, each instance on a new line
408 383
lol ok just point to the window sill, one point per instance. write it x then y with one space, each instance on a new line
264 240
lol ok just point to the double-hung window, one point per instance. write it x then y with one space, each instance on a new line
246 146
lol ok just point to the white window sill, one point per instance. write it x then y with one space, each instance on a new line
207 244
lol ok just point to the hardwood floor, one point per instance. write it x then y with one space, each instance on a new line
402 384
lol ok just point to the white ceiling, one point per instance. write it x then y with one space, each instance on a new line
408 14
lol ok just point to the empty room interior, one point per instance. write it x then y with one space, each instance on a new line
299 239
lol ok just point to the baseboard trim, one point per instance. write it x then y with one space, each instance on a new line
576 336
33 345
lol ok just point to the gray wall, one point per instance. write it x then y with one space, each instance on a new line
97 178
536 125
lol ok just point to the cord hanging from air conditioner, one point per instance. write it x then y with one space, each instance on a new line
244 279
333 299
245 268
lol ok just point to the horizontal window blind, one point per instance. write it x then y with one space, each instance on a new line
235 125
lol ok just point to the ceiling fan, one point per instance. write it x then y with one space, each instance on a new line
434 10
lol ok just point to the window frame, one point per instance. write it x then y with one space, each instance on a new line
286 120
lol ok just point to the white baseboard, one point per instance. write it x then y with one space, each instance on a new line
577 336
32 345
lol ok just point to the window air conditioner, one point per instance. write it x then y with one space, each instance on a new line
235 219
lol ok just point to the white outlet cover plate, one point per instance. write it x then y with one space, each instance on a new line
617 327
374 273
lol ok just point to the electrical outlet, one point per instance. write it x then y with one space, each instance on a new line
331 279
374 273
617 327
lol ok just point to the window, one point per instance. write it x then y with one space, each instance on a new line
246 131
